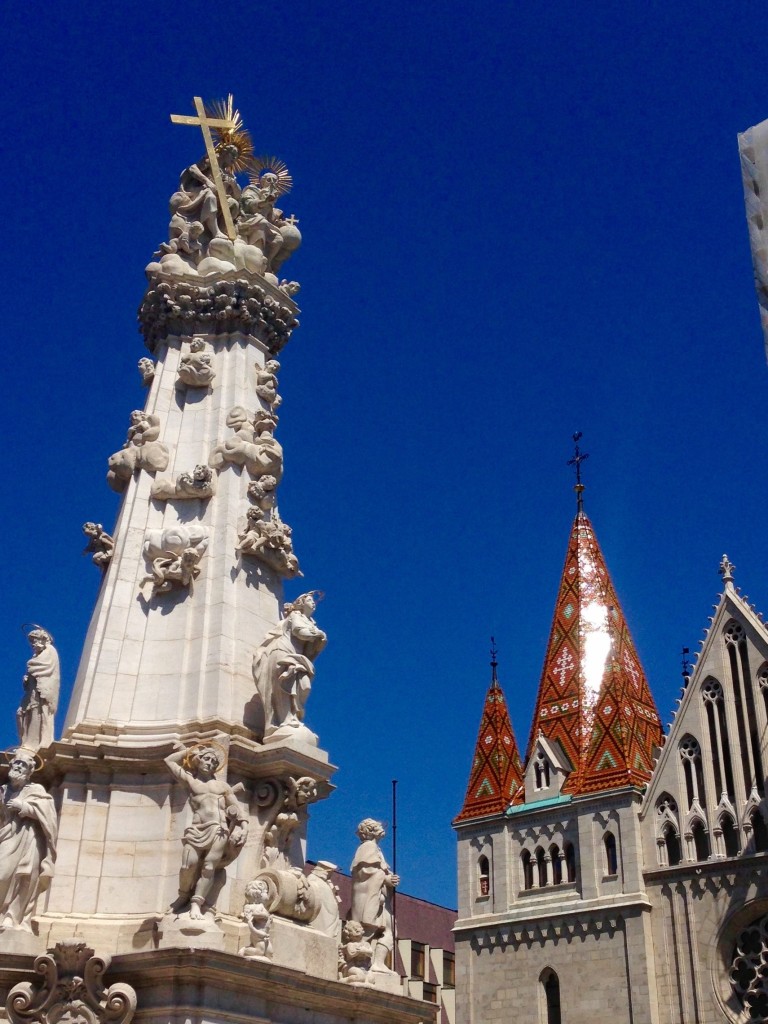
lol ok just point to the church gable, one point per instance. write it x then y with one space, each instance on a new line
707 798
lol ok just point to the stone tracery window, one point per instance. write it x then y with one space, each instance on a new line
719 741
690 754
744 701
749 970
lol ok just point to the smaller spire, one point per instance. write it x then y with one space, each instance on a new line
494 662
727 569
578 457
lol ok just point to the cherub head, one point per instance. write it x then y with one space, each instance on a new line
257 891
352 931
197 345
202 474
93 529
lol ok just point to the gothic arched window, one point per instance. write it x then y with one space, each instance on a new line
541 771
570 862
550 997
744 700
525 860
611 859
730 836
557 864
690 755
541 867
700 840
672 843
712 695
747 974
483 876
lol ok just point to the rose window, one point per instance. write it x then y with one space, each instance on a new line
749 970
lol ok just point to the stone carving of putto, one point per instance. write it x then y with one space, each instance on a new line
198 245
196 366
28 832
252 444
262 492
141 450
34 717
266 383
70 990
269 540
173 554
355 954
259 921
100 545
200 483
283 669
147 371
216 834
310 899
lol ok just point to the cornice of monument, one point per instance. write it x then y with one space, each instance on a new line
224 303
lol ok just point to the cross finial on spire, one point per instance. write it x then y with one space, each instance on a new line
727 569
494 662
578 457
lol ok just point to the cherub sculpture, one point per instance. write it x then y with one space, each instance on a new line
34 717
355 954
259 921
200 483
217 832
252 444
141 450
283 665
262 492
266 383
196 366
147 370
100 545
173 555
270 542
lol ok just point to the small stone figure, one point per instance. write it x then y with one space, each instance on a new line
147 371
196 366
283 666
173 555
266 383
28 830
142 450
372 886
262 225
34 718
270 542
259 921
200 483
279 835
216 835
252 445
100 545
262 492
355 954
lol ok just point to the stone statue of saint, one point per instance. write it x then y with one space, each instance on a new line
197 200
34 717
372 886
28 828
283 665
216 835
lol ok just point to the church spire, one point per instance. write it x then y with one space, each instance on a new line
497 772
593 696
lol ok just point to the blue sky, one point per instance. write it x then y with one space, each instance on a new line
519 220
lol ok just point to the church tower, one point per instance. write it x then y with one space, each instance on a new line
565 846
181 786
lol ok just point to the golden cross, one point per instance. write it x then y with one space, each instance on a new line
206 123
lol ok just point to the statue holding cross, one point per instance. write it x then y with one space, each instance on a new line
214 225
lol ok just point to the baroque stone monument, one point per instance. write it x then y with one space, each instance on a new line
167 827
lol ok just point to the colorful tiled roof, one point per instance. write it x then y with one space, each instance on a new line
594 698
497 772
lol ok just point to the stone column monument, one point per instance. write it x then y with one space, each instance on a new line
187 764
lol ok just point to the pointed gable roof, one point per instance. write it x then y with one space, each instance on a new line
497 772
593 696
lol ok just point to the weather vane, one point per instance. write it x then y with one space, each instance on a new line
494 662
578 457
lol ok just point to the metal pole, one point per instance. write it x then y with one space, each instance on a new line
394 872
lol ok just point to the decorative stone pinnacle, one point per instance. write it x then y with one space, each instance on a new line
727 569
